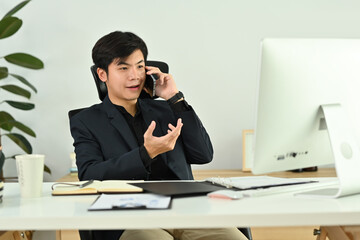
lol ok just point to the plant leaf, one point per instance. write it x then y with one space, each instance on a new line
3 72
2 159
21 141
9 26
20 105
24 81
24 128
47 169
6 121
18 125
16 8
24 60
16 90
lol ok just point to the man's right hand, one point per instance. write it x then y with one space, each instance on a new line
158 145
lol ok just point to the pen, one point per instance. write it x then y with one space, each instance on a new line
86 183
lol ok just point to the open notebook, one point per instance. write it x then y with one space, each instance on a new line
94 187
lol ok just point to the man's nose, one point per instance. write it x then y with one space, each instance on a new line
134 74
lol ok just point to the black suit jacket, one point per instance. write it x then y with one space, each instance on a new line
106 148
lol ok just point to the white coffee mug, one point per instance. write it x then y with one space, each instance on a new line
30 169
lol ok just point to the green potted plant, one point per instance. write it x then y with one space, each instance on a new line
17 85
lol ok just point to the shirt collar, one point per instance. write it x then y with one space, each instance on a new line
122 110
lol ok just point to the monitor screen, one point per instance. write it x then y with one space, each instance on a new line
296 78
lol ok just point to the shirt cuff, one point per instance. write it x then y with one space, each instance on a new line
145 158
181 106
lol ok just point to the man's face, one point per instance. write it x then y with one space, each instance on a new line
125 79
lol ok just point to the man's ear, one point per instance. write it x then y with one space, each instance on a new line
102 74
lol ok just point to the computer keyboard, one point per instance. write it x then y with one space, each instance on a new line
327 187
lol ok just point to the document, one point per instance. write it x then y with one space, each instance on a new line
130 201
256 182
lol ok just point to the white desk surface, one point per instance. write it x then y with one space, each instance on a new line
70 212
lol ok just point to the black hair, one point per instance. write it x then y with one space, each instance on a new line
116 45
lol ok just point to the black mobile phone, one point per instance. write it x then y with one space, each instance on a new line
150 84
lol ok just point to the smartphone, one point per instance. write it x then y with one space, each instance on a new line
150 84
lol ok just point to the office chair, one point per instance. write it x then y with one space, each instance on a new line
102 92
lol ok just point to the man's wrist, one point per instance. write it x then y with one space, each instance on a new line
149 152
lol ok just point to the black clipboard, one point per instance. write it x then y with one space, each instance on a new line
178 188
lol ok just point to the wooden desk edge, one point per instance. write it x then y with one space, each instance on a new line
207 173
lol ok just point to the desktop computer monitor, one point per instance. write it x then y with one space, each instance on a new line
308 106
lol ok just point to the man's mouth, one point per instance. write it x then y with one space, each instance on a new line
134 87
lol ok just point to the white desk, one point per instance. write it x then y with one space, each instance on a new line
70 212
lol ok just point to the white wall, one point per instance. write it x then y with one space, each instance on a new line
212 48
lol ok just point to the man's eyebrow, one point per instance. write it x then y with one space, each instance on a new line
122 63
127 64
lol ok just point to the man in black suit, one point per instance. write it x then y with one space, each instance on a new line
125 137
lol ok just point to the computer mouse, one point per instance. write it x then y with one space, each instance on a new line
226 194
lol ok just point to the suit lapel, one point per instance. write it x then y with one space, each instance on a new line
149 115
119 122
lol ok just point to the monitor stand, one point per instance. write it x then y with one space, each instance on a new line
345 151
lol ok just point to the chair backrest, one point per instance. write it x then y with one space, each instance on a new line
73 112
101 86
